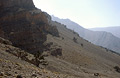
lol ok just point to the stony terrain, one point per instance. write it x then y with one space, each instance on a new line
81 58
33 46
11 66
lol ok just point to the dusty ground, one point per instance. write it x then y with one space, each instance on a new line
77 61
82 59
12 66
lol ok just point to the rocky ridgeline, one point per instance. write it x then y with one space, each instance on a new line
24 25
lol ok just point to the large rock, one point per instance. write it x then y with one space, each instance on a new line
25 26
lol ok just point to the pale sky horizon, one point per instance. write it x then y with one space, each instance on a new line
87 13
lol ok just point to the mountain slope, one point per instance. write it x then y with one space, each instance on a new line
56 51
13 67
81 58
114 30
104 39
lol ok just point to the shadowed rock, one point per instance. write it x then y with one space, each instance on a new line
24 25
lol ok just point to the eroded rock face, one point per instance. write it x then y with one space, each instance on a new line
25 26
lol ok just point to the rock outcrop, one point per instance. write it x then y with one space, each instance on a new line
24 25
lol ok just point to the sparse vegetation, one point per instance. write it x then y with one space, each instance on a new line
57 52
96 74
81 44
75 40
62 38
108 50
19 76
34 32
117 69
75 33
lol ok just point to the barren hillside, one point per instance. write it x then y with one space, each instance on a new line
33 46
100 38
80 57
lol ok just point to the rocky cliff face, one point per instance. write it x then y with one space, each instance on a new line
24 25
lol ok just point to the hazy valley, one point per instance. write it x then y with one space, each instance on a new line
115 30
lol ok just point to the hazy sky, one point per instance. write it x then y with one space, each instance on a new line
87 13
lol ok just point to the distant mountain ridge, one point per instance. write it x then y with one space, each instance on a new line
114 30
100 38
